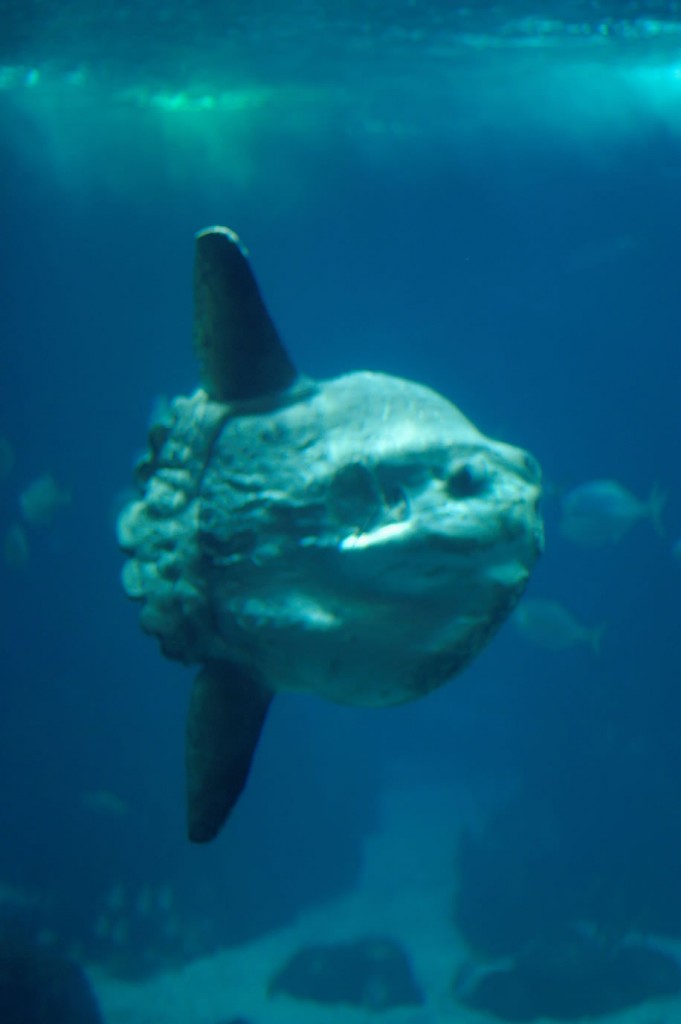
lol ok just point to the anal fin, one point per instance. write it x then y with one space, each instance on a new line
227 709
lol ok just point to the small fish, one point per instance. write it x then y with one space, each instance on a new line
103 801
548 624
143 901
41 500
15 549
12 897
602 511
120 932
116 897
165 899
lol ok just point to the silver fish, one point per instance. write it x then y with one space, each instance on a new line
42 500
548 624
603 511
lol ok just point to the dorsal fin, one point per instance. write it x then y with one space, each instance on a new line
237 345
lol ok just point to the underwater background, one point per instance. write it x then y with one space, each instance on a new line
486 199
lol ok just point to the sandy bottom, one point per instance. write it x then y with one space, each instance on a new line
405 893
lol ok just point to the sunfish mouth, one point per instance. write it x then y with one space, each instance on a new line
482 508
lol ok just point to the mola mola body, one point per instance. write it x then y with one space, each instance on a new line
356 538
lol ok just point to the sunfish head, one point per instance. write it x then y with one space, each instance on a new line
434 530
431 504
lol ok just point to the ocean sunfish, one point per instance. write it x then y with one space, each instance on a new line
356 538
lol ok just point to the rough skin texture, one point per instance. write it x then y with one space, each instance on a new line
357 538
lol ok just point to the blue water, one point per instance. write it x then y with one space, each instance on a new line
490 206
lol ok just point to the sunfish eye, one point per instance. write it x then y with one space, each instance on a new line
467 481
